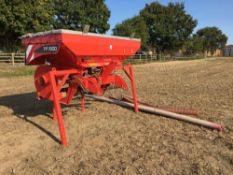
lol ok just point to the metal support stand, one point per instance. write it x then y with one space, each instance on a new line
57 108
129 72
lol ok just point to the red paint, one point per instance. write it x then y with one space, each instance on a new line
218 127
129 71
57 107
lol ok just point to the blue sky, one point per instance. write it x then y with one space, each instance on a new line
208 12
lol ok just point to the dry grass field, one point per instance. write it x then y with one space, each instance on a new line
109 139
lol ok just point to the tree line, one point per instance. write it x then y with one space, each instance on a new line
162 28
169 28
18 17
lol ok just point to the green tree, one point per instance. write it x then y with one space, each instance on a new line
213 38
18 17
168 26
193 45
75 14
135 25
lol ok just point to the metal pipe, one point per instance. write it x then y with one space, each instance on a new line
160 112
165 108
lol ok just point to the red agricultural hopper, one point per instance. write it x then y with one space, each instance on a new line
73 62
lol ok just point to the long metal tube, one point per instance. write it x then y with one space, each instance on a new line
165 108
160 112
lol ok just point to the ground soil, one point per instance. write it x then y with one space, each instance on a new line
108 139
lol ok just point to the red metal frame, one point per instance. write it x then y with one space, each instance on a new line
129 71
78 64
57 108
57 80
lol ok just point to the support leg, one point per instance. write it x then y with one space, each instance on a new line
54 113
58 108
129 71
83 102
71 92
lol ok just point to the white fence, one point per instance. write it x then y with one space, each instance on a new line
12 58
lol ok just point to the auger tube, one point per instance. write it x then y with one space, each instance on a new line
161 112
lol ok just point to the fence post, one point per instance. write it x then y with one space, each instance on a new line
13 59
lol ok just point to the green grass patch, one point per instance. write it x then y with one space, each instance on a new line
162 59
137 61
17 71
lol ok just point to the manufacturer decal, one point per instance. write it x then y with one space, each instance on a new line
48 49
